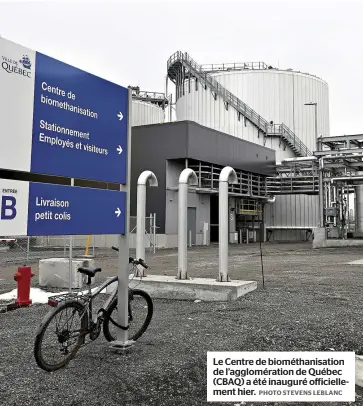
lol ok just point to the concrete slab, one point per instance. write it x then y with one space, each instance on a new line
357 262
320 241
167 287
359 370
327 243
54 272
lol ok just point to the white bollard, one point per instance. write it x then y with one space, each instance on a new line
228 175
146 176
187 177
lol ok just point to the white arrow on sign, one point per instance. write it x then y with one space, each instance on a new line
119 149
120 116
118 212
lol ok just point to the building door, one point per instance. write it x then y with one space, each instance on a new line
214 219
192 224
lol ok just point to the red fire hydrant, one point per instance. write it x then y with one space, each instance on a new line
23 278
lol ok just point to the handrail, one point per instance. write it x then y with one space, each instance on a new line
234 66
242 108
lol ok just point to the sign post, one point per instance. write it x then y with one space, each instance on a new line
61 121
123 254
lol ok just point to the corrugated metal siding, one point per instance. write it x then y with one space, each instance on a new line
280 96
201 107
146 113
292 210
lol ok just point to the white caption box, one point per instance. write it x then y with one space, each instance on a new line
281 376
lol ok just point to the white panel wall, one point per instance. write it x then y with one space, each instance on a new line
201 107
146 113
279 96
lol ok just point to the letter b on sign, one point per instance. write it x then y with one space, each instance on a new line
7 209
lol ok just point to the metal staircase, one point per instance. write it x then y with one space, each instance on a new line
182 67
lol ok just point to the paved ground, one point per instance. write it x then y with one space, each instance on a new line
311 302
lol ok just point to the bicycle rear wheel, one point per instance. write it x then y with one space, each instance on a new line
140 314
68 335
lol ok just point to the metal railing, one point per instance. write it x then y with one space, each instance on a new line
21 250
230 99
234 66
289 137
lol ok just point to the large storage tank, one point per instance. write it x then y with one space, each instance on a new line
277 95
144 113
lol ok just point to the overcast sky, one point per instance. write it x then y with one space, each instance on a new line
129 42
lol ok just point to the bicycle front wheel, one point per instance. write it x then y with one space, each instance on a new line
60 335
140 314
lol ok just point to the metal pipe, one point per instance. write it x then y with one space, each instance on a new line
227 175
346 178
321 192
298 159
154 239
70 270
144 178
187 177
359 209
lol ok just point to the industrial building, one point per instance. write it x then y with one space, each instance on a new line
264 105
167 149
271 125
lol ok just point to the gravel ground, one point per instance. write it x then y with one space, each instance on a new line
312 302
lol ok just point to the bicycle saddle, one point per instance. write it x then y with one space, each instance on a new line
89 272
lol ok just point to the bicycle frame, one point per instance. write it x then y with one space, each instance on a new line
95 293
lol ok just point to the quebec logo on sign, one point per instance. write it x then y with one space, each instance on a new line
21 67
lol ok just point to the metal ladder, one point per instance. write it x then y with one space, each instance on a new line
181 66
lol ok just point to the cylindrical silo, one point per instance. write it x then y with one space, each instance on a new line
144 113
278 96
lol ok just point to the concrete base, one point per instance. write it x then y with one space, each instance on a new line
209 290
54 272
320 241
359 370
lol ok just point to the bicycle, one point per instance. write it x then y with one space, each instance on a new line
82 305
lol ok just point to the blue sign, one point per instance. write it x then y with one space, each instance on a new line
79 124
67 210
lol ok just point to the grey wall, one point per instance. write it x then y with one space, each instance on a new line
292 210
200 201
153 145
216 147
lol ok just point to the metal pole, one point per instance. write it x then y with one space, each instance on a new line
227 175
123 245
27 250
166 96
316 121
321 193
146 176
150 230
154 224
348 214
190 238
70 271
188 176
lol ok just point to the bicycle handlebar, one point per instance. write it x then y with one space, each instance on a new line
133 260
